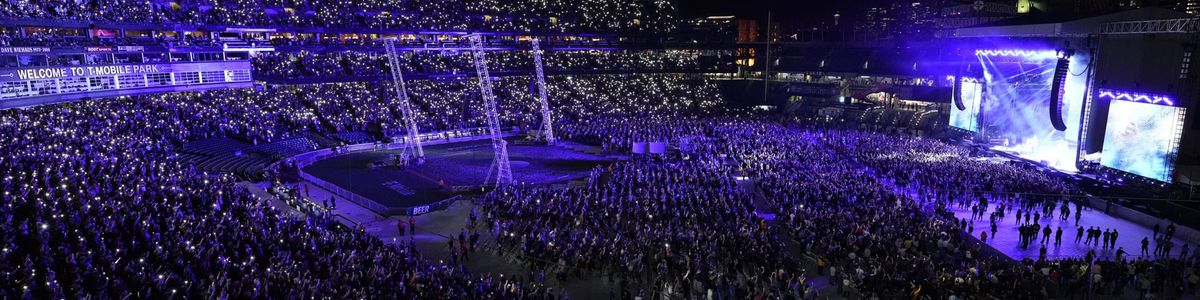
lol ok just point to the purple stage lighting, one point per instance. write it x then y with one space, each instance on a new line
1017 52
1031 99
1136 97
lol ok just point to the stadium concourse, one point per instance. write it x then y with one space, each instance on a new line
194 190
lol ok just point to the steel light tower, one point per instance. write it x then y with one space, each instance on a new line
413 143
500 165
547 121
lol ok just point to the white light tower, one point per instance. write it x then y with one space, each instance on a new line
413 143
547 121
500 163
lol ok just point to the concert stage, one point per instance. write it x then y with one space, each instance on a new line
446 166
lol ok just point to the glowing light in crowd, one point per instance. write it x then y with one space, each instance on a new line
1136 97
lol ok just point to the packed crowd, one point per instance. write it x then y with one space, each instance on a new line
79 37
848 184
675 228
95 206
11 39
873 210
374 65
279 112
507 16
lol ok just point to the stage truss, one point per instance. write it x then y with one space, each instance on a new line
500 165
547 121
412 144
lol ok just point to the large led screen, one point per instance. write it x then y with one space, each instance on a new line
1017 103
1140 139
968 119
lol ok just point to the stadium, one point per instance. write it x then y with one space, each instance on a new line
599 149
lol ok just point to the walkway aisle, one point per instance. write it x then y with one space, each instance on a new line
1007 240
262 194
764 209
348 212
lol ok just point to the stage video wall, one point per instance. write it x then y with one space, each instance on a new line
1141 138
1016 107
972 94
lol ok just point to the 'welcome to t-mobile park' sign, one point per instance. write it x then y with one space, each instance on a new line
66 72
52 73
24 87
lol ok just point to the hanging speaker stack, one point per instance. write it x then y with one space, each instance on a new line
958 95
1058 87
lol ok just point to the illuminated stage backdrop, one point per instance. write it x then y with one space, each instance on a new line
1143 133
1016 105
971 93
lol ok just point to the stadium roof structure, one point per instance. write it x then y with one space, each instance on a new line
1041 25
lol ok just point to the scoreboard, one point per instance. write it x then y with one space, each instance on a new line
41 85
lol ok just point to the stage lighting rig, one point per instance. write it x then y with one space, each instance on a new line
1064 53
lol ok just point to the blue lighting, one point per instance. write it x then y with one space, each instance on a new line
1022 53
1136 97
1017 97
1142 138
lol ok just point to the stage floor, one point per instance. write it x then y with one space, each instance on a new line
1007 240
455 164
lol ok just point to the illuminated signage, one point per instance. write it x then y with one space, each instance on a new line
24 49
420 210
131 48
51 73
1016 52
113 70
1136 97
99 49
28 86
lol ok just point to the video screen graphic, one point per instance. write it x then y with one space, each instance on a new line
1141 139
1015 107
968 119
